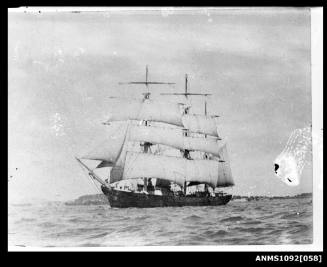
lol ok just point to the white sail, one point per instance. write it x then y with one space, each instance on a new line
150 110
174 137
110 147
225 173
174 169
200 124
162 111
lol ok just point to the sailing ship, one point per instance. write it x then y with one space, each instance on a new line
160 154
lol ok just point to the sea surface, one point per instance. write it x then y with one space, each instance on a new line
269 221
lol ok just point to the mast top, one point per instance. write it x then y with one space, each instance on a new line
146 82
186 94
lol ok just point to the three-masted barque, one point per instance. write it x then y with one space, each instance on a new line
162 155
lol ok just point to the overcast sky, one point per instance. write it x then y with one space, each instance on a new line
63 66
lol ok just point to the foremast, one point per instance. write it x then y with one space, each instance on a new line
146 95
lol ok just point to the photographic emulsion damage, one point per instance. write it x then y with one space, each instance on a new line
160 127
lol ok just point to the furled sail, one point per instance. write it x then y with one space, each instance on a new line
200 124
224 171
109 149
174 169
174 137
150 110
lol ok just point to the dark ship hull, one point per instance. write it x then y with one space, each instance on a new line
126 199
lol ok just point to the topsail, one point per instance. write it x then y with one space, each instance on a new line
175 138
147 110
166 112
203 124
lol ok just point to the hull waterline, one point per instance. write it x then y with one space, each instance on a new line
126 199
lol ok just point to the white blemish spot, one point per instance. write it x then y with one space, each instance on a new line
57 125
290 162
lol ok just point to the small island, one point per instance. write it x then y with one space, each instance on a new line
251 198
94 199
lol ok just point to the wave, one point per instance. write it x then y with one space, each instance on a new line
21 204
252 230
291 215
232 219
192 218
215 234
90 245
251 222
98 236
26 220
257 222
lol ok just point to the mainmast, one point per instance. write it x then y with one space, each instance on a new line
146 145
186 153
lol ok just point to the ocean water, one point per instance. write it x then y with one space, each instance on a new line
272 222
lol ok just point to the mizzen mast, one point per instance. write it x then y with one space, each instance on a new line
186 152
186 94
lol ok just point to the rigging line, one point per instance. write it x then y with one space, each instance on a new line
96 186
88 179
126 139
130 167
121 97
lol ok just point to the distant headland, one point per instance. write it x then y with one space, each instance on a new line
251 198
95 199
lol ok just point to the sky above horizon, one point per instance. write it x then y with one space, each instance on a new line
63 67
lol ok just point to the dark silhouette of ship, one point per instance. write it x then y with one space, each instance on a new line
160 154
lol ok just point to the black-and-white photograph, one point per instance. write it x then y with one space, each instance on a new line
162 127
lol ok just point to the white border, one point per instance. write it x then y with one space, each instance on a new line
317 121
36 9
317 125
